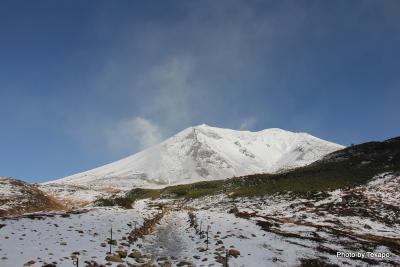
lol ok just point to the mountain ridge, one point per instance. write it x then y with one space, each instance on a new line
202 153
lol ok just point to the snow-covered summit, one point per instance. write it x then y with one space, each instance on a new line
204 153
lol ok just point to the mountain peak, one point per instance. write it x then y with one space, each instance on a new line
205 152
203 125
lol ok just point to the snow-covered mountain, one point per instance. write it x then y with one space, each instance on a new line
204 153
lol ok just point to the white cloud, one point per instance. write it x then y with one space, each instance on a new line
172 90
128 134
146 133
248 123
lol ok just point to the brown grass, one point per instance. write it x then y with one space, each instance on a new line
109 190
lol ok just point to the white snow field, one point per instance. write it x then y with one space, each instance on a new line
204 153
283 230
56 237
276 230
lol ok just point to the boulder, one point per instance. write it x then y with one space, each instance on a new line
29 263
135 254
122 253
234 252
114 258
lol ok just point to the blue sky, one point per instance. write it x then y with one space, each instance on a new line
83 83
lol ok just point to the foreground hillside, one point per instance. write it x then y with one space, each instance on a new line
283 229
18 197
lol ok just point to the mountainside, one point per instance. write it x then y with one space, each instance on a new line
207 153
346 168
17 197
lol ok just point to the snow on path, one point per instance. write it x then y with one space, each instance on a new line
174 241
170 237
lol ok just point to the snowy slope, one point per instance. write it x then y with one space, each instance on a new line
204 153
285 229
56 237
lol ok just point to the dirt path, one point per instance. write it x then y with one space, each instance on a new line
170 238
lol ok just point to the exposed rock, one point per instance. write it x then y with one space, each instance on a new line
135 254
122 253
184 263
220 259
220 249
29 263
113 258
234 252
